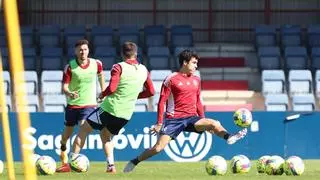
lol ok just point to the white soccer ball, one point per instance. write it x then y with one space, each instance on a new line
294 166
242 117
240 164
261 163
79 163
216 165
46 165
274 165
1 167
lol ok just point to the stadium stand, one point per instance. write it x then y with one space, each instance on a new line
303 102
313 35
54 103
51 82
181 36
269 57
273 82
276 102
155 35
129 33
49 36
7 82
51 58
102 36
107 55
72 34
300 82
158 58
295 57
290 36
265 35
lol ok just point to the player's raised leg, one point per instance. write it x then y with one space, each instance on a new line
106 138
216 127
158 147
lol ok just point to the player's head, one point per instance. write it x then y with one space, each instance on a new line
82 49
188 61
129 50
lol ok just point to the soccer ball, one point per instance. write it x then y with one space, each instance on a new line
261 163
79 163
34 158
293 166
46 165
242 117
274 165
216 165
240 164
1 167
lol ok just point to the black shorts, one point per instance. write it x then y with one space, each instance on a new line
100 119
74 115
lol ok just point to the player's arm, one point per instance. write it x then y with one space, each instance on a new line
101 76
65 83
114 81
164 95
200 110
148 89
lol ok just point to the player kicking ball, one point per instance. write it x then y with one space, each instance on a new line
180 94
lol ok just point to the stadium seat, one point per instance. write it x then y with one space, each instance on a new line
276 102
181 36
8 106
32 104
54 103
30 86
303 102
141 105
73 33
129 33
313 36
70 54
51 82
3 39
273 82
296 57
300 82
317 81
290 35
265 35
49 36
51 58
30 58
102 36
5 58
315 58
7 82
159 57
27 36
107 55
159 75
269 57
155 35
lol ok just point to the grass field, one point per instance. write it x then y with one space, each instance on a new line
169 170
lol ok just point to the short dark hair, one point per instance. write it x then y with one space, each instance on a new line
81 42
186 55
129 49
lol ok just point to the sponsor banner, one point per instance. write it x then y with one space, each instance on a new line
266 136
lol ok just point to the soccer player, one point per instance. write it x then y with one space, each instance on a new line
79 85
128 78
180 93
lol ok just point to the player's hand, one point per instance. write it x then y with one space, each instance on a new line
154 130
73 95
100 97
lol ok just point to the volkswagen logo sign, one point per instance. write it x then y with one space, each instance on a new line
189 147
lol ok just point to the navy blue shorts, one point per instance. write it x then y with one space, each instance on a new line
173 127
74 115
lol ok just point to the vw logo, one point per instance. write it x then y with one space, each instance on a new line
189 147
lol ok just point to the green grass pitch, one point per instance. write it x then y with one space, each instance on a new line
169 170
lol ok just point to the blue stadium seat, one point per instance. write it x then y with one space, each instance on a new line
296 57
313 36
276 102
30 86
5 58
3 40
290 35
54 103
49 36
273 82
27 36
300 82
303 102
155 35
315 58
181 36
51 58
269 57
265 35
51 82
73 33
30 58
70 53
107 55
317 85
32 104
158 58
129 33
102 36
